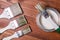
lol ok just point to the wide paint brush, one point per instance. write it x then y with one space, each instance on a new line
11 11
15 24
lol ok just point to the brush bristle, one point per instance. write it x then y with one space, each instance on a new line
16 10
21 21
26 30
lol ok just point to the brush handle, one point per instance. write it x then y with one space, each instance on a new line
3 29
12 25
15 35
6 13
19 33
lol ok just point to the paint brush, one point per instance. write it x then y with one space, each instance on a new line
11 11
19 33
15 24
41 9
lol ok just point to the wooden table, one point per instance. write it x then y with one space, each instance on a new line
30 12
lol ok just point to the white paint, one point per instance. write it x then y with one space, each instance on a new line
49 23
55 15
46 23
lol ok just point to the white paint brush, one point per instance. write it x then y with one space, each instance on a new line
11 11
19 33
15 24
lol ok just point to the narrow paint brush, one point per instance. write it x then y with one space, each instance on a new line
19 33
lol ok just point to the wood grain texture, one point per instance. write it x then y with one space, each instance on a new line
27 37
30 13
